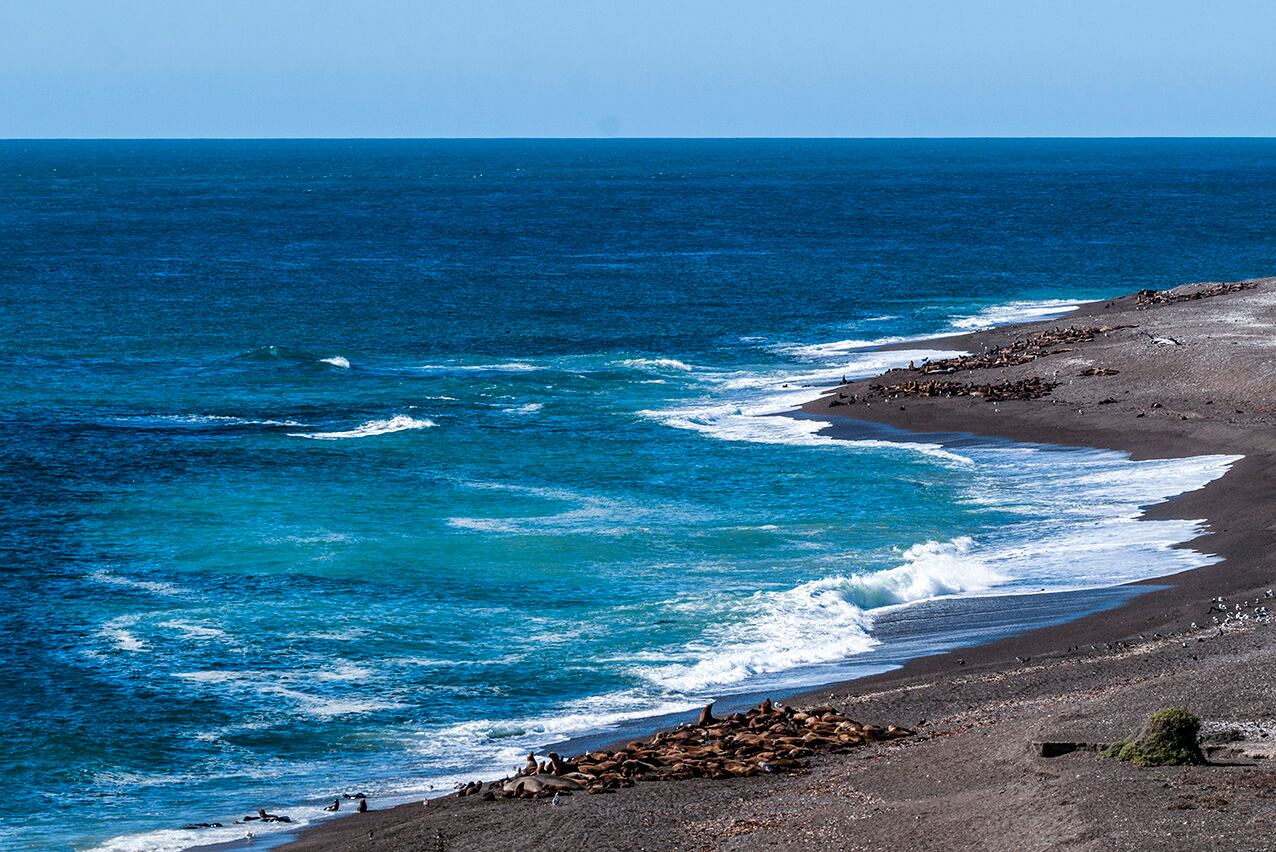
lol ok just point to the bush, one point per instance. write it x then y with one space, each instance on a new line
1167 738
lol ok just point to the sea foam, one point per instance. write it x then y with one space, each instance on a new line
1013 312
369 429
821 621
657 364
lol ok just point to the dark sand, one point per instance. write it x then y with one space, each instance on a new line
972 779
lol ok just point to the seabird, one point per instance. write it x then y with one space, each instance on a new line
1162 341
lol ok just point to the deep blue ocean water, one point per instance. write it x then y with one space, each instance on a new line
371 464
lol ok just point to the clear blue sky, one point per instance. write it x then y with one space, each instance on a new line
136 68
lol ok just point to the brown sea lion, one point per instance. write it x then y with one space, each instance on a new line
560 766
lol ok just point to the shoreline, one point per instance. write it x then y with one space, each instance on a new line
1232 505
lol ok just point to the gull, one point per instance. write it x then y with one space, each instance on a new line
1162 341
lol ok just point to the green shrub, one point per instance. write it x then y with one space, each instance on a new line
1167 738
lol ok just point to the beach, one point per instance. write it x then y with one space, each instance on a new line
1148 375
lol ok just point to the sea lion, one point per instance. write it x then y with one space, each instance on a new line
706 716
529 768
334 807
363 805
560 766
536 784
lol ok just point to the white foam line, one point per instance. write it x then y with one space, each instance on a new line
400 423
1015 312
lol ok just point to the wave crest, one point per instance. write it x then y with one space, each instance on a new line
400 423
825 620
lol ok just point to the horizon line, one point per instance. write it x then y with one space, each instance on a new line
608 138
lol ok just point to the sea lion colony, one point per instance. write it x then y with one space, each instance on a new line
1151 298
1019 351
768 738
1030 388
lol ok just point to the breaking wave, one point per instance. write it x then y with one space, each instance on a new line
401 423
822 621
1012 312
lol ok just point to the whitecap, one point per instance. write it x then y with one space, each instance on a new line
399 423
337 361
657 364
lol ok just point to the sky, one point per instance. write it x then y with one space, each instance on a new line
460 68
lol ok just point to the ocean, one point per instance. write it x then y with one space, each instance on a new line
371 465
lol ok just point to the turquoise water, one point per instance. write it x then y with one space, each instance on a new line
370 465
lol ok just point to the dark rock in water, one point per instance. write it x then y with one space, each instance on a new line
354 795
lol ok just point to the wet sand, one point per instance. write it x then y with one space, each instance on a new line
972 778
